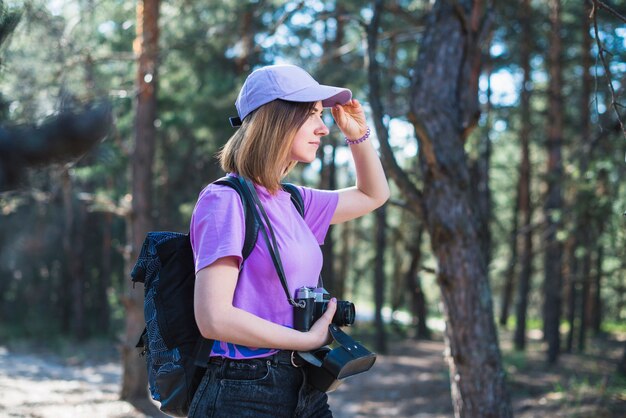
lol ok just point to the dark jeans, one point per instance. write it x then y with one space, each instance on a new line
257 388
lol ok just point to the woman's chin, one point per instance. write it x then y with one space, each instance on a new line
305 160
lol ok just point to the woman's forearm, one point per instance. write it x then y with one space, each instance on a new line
371 190
370 176
240 327
218 319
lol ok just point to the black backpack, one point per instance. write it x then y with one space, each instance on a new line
175 352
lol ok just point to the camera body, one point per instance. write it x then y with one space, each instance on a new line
314 302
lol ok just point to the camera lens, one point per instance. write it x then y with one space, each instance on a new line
345 313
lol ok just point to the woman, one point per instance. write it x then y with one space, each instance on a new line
252 372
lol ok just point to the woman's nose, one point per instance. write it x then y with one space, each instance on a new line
322 129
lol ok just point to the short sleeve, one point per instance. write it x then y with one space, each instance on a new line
319 208
217 226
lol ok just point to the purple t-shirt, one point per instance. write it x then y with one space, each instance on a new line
218 229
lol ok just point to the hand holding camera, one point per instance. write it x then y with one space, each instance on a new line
317 313
319 329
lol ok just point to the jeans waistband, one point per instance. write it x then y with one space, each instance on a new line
285 357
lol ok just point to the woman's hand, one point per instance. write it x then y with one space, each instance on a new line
350 118
319 331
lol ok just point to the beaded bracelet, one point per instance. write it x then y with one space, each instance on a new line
361 139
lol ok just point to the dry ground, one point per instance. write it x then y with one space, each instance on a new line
411 381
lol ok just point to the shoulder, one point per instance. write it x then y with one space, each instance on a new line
216 197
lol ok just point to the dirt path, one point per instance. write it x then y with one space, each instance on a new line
411 382
47 386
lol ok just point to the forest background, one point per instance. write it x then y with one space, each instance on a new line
536 133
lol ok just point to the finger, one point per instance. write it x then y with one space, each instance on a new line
331 308
338 113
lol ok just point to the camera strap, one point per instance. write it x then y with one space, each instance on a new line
270 239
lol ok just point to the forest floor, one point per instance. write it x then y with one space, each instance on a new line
411 381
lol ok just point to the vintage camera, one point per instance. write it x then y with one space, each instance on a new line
313 303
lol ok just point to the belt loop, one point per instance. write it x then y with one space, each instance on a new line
293 363
275 359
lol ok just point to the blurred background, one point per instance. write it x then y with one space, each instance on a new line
167 81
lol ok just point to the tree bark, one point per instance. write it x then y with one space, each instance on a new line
524 199
73 245
586 235
596 307
444 110
379 279
328 181
134 379
414 287
509 277
479 172
553 205
571 270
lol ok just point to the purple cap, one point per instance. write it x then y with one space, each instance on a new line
286 82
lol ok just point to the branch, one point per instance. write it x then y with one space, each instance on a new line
63 138
272 30
602 5
614 104
413 195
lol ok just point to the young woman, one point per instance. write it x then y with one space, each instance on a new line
252 371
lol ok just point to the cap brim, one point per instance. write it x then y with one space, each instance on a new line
328 95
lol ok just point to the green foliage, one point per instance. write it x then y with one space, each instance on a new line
69 52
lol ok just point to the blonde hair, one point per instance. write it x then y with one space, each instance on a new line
260 148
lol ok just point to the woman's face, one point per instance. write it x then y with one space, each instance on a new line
308 137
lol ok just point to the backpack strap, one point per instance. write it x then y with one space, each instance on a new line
251 227
296 197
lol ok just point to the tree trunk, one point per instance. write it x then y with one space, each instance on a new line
509 278
571 290
379 279
104 280
621 366
414 287
602 194
524 199
444 110
134 378
246 33
72 245
586 236
328 181
553 205
347 247
596 307
480 182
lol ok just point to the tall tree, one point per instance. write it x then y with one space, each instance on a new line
523 200
586 234
444 109
134 379
553 204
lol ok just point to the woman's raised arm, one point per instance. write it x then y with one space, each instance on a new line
371 190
